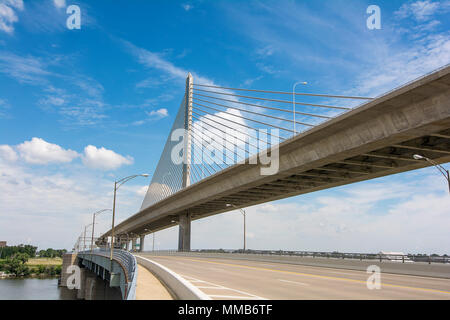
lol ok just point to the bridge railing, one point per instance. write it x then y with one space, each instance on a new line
126 261
401 258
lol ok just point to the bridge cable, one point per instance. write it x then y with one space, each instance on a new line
193 112
224 145
276 100
260 122
290 93
264 107
266 115
240 124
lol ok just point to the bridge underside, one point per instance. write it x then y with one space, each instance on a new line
377 163
375 140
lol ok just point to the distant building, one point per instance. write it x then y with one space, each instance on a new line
2 244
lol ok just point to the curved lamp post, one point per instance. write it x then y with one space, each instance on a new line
441 169
117 185
84 236
93 226
293 101
243 213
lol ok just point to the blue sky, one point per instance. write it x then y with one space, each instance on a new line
79 108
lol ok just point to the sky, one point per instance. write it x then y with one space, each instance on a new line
80 108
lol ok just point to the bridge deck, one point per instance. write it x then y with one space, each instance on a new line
224 279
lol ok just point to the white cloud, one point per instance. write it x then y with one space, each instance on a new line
53 101
38 151
52 207
59 3
154 60
160 113
7 18
24 69
400 66
8 15
187 7
142 191
18 4
7 153
104 159
420 10
3 106
82 105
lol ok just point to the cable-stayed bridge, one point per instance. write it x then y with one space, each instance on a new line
234 147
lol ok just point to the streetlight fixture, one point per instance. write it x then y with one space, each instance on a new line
441 169
84 235
153 233
117 185
293 101
243 213
93 227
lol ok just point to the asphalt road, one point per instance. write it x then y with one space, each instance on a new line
243 280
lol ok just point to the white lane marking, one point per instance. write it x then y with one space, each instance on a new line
295 282
245 295
200 287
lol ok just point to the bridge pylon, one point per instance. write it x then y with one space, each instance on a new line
184 221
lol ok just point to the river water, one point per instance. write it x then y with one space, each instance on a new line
32 289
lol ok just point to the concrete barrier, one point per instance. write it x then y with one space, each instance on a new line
182 289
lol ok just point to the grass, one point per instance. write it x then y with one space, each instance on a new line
44 261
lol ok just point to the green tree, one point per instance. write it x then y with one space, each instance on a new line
16 265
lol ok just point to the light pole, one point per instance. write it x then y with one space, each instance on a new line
293 101
93 227
117 185
153 233
243 213
441 169
84 236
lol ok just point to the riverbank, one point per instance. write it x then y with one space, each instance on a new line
39 268
30 276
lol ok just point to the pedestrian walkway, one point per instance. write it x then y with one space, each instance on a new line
149 287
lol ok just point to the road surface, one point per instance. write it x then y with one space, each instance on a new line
243 280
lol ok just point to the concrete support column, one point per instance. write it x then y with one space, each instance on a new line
141 243
90 288
81 292
184 234
127 245
133 244
69 259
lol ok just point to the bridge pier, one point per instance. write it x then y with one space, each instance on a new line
133 244
184 233
141 243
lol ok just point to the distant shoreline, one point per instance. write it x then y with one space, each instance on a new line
31 276
38 268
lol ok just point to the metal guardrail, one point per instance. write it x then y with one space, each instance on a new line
407 258
128 263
